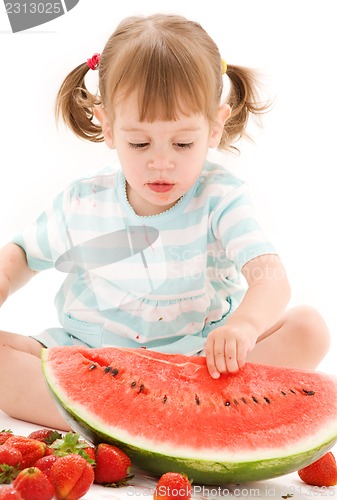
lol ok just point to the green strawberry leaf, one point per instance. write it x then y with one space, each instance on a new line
118 484
53 437
8 473
71 443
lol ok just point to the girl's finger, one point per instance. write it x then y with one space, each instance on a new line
231 356
210 361
241 354
219 354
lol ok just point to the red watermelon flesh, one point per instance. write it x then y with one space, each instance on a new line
169 414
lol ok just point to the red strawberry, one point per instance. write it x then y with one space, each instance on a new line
45 463
4 435
9 455
34 485
323 472
49 451
71 476
10 460
31 449
9 493
173 485
112 465
90 451
47 436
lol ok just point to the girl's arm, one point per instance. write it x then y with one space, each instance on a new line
14 270
266 298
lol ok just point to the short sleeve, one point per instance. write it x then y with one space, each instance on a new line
235 225
46 238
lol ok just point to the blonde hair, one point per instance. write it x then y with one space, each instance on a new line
174 66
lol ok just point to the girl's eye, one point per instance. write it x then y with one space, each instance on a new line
138 145
142 145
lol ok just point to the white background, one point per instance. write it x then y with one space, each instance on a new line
290 167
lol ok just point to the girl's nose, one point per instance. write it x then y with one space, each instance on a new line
161 164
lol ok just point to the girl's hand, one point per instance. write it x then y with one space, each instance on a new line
227 347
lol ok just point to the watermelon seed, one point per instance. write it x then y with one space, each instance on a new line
267 400
141 388
107 369
292 391
284 394
92 367
243 400
164 399
308 393
235 401
114 372
254 399
197 400
133 384
227 403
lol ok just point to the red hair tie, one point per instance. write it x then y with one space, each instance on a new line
93 62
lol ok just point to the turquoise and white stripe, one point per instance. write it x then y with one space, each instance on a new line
162 281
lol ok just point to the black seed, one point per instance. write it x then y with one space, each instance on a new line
308 393
243 400
284 394
267 400
114 372
227 403
133 384
141 388
197 400
235 401
92 367
292 391
107 369
254 399
164 399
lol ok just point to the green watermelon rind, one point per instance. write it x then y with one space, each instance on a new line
208 472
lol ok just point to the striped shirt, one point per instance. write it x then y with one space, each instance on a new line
161 282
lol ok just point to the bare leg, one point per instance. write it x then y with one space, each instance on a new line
24 394
300 339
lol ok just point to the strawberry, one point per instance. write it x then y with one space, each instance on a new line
47 436
9 493
71 476
4 435
323 472
34 485
71 443
45 463
91 454
173 485
10 460
31 449
49 451
112 465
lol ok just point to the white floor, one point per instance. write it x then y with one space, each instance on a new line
142 485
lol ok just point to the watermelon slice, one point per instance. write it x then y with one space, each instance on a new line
168 414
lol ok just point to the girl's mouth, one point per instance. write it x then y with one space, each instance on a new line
160 186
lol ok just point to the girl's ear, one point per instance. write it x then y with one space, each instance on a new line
102 116
223 114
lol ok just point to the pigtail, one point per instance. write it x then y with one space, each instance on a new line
244 101
74 104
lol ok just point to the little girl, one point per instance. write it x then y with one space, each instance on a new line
155 251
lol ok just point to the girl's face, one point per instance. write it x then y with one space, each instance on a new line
161 160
